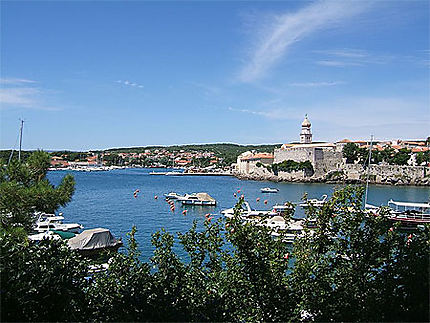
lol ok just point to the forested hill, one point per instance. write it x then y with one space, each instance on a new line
228 152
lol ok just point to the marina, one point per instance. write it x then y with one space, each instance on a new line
109 202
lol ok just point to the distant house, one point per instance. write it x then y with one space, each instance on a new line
247 161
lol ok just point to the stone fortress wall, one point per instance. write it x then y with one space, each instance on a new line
329 165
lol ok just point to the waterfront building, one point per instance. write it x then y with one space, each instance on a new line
247 161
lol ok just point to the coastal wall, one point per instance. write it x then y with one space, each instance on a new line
296 154
350 173
389 174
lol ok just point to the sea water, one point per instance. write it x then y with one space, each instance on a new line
106 199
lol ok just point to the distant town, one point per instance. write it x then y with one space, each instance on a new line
401 162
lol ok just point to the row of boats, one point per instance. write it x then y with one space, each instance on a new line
87 242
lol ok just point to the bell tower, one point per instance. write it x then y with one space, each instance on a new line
306 133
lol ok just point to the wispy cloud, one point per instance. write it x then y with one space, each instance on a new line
275 114
316 84
344 52
338 63
275 39
354 57
21 93
15 81
129 83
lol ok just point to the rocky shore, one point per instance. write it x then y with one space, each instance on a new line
350 174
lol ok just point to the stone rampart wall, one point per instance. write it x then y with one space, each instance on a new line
389 174
296 154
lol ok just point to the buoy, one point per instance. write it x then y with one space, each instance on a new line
265 201
234 194
238 191
155 197
207 215
184 212
258 199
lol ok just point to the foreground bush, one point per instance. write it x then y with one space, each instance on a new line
353 267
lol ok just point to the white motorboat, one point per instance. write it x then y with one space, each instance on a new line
173 174
44 235
203 199
269 190
49 222
314 202
282 209
246 212
173 196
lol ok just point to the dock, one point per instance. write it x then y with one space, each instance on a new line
191 174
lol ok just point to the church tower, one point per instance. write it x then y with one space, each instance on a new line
306 134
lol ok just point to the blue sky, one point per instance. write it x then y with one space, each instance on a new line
93 75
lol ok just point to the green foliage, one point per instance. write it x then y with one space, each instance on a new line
351 152
353 266
423 157
291 165
24 189
358 267
42 282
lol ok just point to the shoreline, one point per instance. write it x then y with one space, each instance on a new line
319 180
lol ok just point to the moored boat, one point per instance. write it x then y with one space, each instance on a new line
49 222
94 241
203 199
173 196
314 202
269 190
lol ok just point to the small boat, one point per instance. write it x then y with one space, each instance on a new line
173 174
44 235
173 196
314 202
409 213
246 212
282 209
49 222
203 199
269 190
94 241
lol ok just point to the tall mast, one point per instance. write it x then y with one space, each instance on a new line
20 140
368 169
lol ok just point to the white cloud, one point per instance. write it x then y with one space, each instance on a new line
15 81
21 93
344 52
338 63
274 114
132 84
316 84
275 39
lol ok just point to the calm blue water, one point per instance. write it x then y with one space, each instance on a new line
105 199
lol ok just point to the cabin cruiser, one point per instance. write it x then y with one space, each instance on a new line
203 199
282 209
49 222
314 202
246 212
173 196
269 190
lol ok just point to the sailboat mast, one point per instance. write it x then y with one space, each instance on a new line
368 169
20 140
